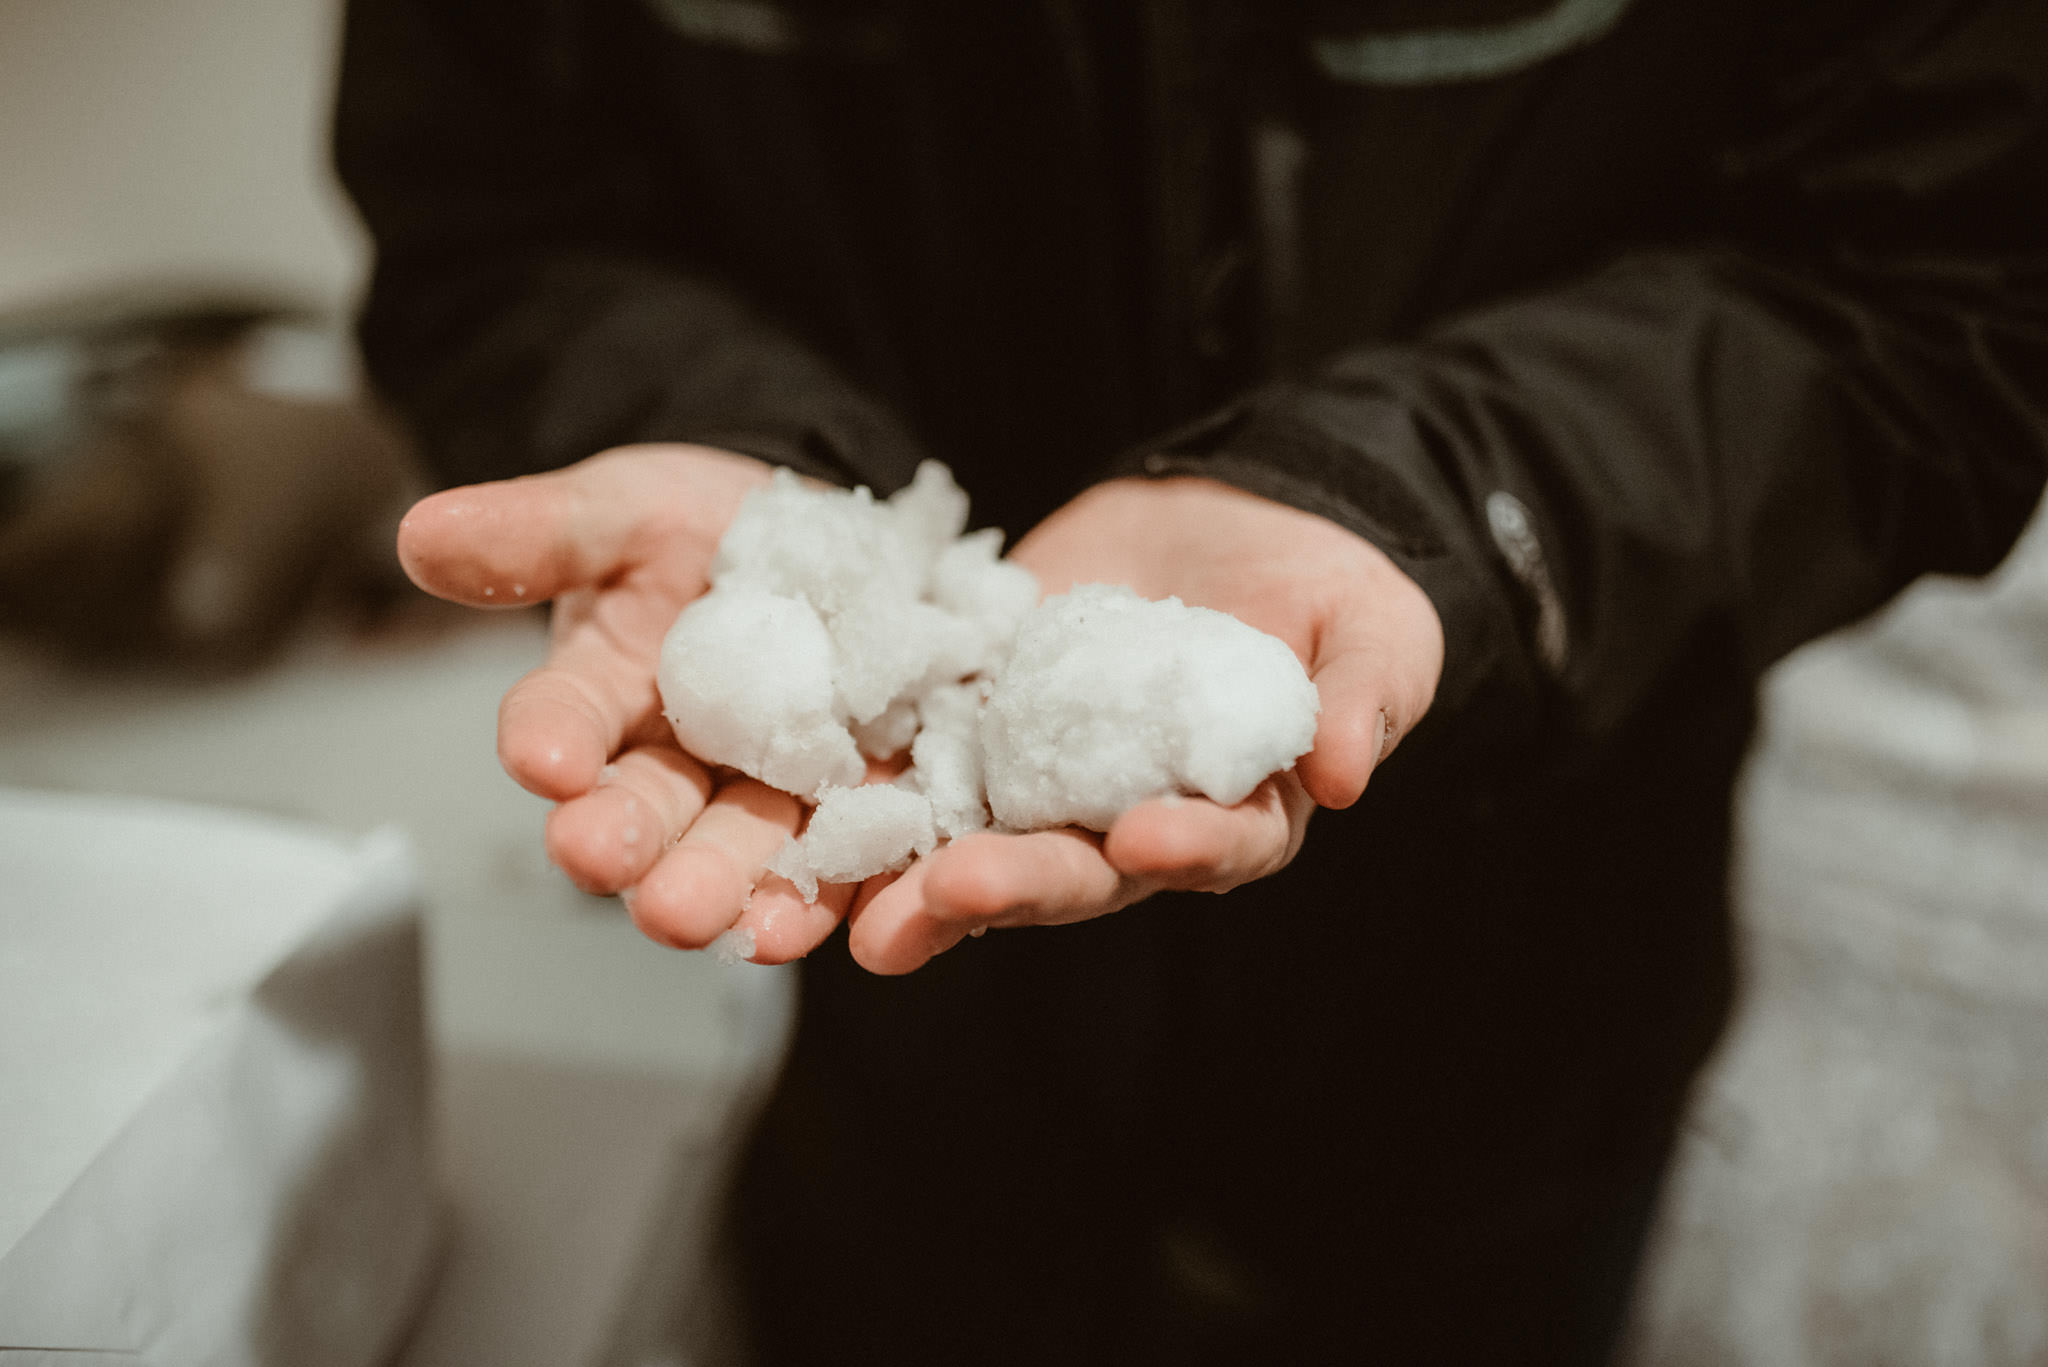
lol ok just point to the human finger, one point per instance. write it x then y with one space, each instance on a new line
1196 845
699 887
1375 667
559 725
644 800
889 928
1043 878
1039 878
1351 730
519 541
778 926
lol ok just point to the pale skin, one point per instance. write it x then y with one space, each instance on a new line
622 541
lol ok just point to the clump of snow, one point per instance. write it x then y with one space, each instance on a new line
890 733
839 627
1108 699
946 758
856 833
970 580
734 946
747 680
830 614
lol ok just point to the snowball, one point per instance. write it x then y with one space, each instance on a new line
1108 699
857 833
746 680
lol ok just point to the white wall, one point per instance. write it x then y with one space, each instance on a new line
166 142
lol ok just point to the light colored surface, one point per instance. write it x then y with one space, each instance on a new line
116 957
576 1064
575 1184
173 140
214 1080
1864 1180
359 738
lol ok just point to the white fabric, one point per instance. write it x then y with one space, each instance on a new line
211 1070
1864 1179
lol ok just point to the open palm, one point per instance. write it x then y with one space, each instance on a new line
1367 635
621 543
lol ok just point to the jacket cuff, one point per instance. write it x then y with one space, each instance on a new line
1266 446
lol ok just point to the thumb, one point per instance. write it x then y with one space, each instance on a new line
1352 731
520 541
1376 666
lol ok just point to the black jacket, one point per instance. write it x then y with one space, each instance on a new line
1652 337
1743 303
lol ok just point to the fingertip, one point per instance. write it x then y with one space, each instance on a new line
690 898
914 943
502 545
549 749
1156 837
966 879
442 544
890 930
420 535
786 927
604 840
1347 748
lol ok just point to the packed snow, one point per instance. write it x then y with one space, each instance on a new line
1108 699
840 628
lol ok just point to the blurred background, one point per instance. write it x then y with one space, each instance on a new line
198 603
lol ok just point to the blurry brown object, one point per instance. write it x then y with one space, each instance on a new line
194 512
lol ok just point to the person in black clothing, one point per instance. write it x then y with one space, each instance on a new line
1540 369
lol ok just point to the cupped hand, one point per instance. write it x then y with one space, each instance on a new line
621 543
1367 635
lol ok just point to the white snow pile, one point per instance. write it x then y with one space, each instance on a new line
838 626
1108 699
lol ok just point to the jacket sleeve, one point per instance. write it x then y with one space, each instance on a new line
1740 444
530 304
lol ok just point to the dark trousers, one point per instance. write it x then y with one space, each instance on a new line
1400 1116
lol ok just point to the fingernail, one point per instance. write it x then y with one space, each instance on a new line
978 932
1380 731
